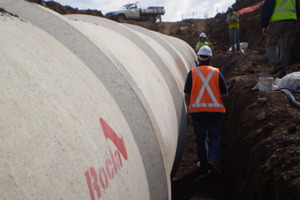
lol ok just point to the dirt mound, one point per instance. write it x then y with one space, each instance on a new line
261 134
187 30
66 9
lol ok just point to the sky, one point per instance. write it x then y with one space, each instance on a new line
176 10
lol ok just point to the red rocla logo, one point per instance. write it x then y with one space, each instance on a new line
112 164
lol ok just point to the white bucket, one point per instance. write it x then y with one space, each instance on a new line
265 83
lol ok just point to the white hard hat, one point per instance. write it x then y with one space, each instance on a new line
202 35
204 53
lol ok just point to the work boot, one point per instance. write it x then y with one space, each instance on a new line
213 168
276 68
242 51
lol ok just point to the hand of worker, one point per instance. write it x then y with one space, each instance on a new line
232 21
265 31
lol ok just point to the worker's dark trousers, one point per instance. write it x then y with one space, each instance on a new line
280 30
234 35
208 151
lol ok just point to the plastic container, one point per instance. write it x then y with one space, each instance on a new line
265 83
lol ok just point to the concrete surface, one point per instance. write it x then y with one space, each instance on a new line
89 108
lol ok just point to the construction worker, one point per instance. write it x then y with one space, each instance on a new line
205 90
278 21
234 32
203 42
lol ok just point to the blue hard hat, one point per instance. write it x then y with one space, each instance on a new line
230 9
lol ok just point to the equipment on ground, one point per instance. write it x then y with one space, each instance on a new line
290 96
265 83
288 83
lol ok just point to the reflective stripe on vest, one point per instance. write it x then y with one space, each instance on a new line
215 106
284 10
236 24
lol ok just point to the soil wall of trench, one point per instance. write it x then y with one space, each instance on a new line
261 133
261 130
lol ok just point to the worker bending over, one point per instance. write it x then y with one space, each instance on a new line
205 90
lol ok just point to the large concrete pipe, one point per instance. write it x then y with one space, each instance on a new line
89 108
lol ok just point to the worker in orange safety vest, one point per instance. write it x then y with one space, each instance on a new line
205 90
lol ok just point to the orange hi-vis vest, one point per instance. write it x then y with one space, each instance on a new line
205 95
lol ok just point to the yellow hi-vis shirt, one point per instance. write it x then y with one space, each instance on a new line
236 24
201 44
284 10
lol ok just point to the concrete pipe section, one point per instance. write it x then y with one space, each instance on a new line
89 108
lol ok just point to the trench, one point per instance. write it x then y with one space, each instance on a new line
260 153
260 146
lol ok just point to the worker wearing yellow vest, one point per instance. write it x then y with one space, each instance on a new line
203 42
234 29
278 21
205 90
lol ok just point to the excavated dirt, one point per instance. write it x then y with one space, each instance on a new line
260 156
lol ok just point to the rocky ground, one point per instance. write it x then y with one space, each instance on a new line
260 156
